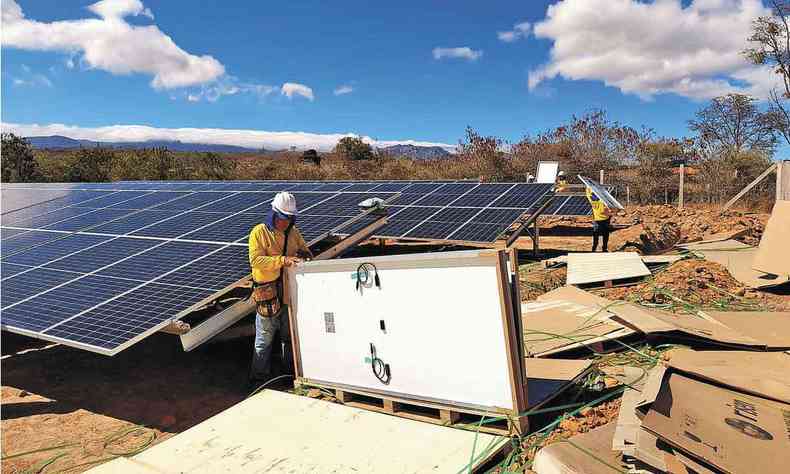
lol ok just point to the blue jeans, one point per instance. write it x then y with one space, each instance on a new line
266 330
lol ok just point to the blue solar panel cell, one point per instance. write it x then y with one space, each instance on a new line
6 233
89 219
231 229
313 227
575 206
522 196
129 317
114 198
158 261
215 271
55 250
238 202
473 200
436 199
149 200
59 304
478 232
9 269
136 220
27 284
191 201
102 255
27 240
51 217
498 216
180 224
422 188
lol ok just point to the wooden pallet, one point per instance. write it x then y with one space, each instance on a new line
422 411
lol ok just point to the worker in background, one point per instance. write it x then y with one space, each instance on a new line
601 217
530 178
562 182
274 244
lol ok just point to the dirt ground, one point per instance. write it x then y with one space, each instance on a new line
54 395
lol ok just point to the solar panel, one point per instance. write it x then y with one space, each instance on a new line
134 221
158 260
89 219
191 201
61 303
48 218
18 242
148 200
66 245
229 229
129 317
111 199
26 284
180 224
132 255
216 271
99 256
238 202
9 269
575 206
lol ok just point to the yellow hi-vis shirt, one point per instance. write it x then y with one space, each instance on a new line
598 207
266 251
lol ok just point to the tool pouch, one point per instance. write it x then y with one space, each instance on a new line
267 298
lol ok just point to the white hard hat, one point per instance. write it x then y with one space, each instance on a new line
561 173
285 203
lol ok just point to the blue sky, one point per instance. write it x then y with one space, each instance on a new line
645 64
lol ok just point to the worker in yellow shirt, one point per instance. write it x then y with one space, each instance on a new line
274 244
561 183
601 218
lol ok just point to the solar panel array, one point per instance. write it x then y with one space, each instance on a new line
102 265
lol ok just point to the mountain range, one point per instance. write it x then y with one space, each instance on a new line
59 142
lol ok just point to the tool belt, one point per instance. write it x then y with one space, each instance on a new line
267 297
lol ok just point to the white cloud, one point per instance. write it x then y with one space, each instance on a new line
111 44
461 53
31 79
246 138
229 85
289 89
653 48
520 30
344 89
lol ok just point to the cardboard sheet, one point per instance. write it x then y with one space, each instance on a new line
553 322
771 328
773 255
568 458
735 432
763 374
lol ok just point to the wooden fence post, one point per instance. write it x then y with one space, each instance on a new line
601 177
680 189
628 195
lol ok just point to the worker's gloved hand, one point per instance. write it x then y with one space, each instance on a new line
292 261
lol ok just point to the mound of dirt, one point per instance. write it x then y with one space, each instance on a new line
699 283
696 223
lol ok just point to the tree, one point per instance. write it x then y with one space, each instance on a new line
733 122
771 47
91 165
18 163
353 148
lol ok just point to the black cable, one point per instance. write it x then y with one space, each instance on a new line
380 369
363 275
